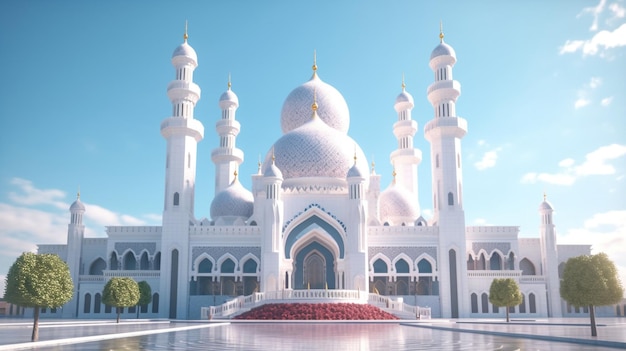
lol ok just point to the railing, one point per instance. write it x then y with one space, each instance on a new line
132 273
91 278
532 279
494 274
242 303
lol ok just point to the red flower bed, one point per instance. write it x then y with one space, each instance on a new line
316 311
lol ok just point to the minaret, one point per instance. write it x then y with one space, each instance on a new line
406 158
273 272
182 133
75 236
356 269
227 157
550 258
444 132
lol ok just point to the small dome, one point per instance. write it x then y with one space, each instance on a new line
185 49
234 201
405 97
396 206
315 150
227 98
545 206
355 172
333 109
273 171
77 206
443 49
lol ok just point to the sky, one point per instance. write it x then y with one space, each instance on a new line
83 93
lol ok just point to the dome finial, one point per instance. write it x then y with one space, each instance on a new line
235 174
403 85
314 63
78 193
393 173
441 31
185 36
259 164
229 83
273 156
314 106
355 154
544 196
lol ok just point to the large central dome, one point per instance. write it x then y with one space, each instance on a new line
333 109
315 150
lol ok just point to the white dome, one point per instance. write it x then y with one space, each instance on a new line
235 200
545 206
228 97
273 171
443 49
355 172
185 49
396 206
77 206
405 97
315 150
333 109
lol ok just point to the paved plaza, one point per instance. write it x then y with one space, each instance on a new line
541 334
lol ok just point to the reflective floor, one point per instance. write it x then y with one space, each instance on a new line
320 337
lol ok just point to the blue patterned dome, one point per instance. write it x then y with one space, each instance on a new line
234 201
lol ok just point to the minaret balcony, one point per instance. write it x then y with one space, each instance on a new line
443 90
182 126
406 156
227 127
446 126
223 155
404 128
183 90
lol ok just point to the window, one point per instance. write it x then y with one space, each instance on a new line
380 266
144 263
87 307
495 262
527 267
113 262
531 302
176 199
474 299
450 199
206 266
423 266
485 302
155 303
130 262
402 266
522 306
228 266
157 261
97 303
250 266
97 267
437 161
107 308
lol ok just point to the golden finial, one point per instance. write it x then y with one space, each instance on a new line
229 84
373 167
355 153
441 31
314 106
78 193
544 196
314 62
235 174
259 163
185 36
273 155
403 85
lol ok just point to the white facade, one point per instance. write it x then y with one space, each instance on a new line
316 216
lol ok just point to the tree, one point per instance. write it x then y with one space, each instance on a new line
38 280
591 280
505 293
145 294
120 293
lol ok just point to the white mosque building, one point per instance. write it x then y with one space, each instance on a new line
316 216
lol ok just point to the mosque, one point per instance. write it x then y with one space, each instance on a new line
316 216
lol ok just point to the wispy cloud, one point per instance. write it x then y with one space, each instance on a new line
596 163
584 92
606 101
595 11
489 158
600 42
581 102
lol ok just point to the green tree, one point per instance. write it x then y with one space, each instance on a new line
145 294
591 280
120 293
38 280
505 293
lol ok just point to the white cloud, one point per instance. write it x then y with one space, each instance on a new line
617 10
481 222
481 142
581 102
596 163
595 82
32 196
606 101
608 230
488 161
600 42
595 12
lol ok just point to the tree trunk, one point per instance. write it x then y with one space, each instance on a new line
592 315
507 313
35 335
118 314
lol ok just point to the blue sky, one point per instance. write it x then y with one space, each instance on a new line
83 93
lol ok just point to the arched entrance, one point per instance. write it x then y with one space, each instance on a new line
314 267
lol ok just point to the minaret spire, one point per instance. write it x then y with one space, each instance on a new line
185 36
441 32
314 64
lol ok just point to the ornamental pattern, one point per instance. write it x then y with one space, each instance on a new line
136 247
217 252
395 203
392 252
310 207
490 246
235 200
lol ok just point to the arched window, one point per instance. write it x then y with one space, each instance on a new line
250 266
144 262
531 303
130 262
470 263
437 161
495 308
176 199
450 199
522 306
474 299
205 266
253 224
423 266
228 266
155 303
402 266
157 261
97 303
87 307
107 308
484 300
527 267
482 264
495 262
113 262
511 261
97 267
380 266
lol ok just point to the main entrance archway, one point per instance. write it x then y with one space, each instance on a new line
314 267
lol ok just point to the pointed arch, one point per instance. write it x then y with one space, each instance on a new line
250 263
113 261
405 267
129 260
527 267
144 261
97 267
201 260
378 262
319 225
157 261
495 261
227 262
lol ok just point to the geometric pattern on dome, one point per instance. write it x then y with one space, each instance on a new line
395 202
235 200
315 150
332 107
443 49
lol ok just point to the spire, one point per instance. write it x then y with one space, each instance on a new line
314 105
78 193
441 32
235 174
259 164
403 85
355 154
229 83
185 36
314 64
273 156
544 196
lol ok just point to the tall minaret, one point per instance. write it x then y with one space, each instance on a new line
227 157
182 133
356 270
406 158
444 133
550 258
75 236
276 274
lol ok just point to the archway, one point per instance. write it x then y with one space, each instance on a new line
314 267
